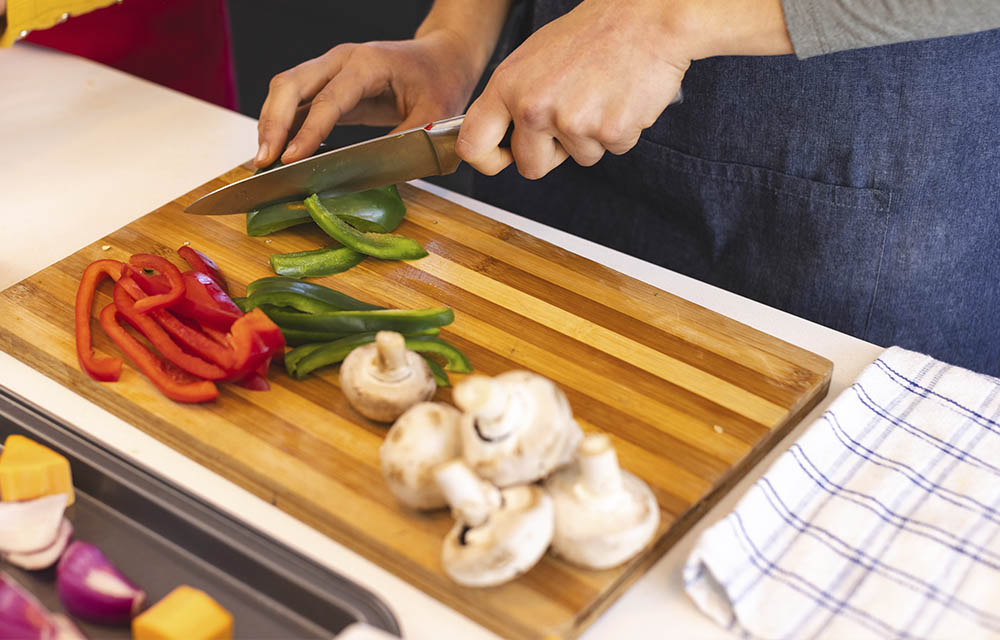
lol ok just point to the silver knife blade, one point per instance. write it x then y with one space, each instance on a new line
398 157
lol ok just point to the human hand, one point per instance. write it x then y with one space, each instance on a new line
405 83
3 7
593 79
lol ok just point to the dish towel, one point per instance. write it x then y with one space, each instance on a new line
881 521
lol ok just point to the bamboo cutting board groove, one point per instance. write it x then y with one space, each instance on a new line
691 399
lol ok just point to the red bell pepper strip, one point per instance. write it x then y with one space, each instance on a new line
255 382
106 369
127 296
169 379
255 339
203 301
198 261
167 269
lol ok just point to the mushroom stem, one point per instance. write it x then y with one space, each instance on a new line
472 499
391 348
599 465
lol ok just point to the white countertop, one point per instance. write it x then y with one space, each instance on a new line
87 149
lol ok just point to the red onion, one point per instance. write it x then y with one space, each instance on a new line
65 629
21 616
30 525
91 588
43 558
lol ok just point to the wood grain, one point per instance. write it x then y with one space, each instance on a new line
690 398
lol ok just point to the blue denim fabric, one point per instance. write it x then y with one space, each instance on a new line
860 190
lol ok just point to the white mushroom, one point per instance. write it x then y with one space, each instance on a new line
384 379
425 436
604 515
516 427
498 534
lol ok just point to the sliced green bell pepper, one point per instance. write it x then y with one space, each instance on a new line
303 360
375 210
315 263
379 245
401 320
308 293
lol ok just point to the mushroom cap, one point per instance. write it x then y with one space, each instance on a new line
425 436
516 427
383 394
511 541
599 531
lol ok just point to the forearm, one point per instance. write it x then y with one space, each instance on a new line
822 26
475 23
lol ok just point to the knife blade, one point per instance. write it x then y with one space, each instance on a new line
390 159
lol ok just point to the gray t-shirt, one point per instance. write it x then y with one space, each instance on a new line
825 26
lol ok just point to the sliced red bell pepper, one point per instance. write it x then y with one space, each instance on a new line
166 269
127 296
106 369
255 382
200 262
255 339
169 379
203 300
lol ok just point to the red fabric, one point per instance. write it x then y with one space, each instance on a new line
181 44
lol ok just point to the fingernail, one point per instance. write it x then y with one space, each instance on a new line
261 152
290 151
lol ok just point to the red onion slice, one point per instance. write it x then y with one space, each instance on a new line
21 615
91 588
65 629
46 557
30 525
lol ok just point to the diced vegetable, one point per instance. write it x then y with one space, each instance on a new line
47 556
31 525
93 589
198 261
21 615
184 614
31 470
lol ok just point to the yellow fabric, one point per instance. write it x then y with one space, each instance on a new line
31 15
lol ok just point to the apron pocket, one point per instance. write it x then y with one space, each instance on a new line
810 248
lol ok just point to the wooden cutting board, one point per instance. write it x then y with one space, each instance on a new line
691 399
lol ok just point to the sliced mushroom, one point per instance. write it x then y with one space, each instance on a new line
384 379
604 515
516 428
498 534
425 436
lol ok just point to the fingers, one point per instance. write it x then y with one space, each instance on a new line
337 98
287 91
484 128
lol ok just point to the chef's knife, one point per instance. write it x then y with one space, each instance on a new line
391 159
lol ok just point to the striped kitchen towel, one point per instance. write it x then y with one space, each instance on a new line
881 521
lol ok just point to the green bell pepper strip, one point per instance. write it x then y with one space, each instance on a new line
302 361
440 377
375 210
379 245
315 263
454 360
297 337
401 320
332 299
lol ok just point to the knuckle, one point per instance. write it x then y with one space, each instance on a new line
280 81
532 113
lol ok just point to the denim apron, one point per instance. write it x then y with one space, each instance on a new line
859 190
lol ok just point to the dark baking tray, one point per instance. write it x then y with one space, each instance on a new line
161 537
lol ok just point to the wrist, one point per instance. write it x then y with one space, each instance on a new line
471 27
706 28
